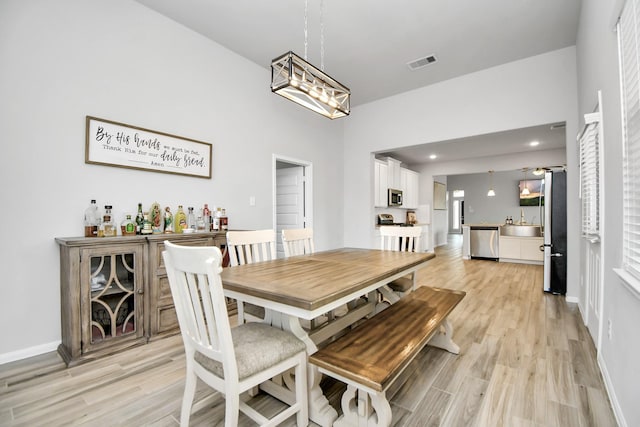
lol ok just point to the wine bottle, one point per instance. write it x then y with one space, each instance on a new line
139 219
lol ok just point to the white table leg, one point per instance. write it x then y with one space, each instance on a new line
320 412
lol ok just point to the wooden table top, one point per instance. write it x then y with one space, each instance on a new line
311 281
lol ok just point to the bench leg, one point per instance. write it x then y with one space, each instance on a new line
389 294
362 409
444 339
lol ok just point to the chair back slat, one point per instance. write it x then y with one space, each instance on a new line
393 238
196 288
298 241
247 247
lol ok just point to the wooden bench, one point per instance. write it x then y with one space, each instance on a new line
371 356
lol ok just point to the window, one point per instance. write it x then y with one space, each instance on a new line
590 142
628 39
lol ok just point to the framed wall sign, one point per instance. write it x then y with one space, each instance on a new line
439 196
117 144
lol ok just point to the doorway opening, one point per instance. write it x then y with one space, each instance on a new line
292 195
456 220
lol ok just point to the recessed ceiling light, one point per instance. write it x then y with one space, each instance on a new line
433 156
534 143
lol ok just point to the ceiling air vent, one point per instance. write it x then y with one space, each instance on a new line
421 62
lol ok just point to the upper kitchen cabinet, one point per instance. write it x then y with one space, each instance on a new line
380 183
388 174
409 185
394 174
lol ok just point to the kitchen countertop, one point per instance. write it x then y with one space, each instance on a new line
418 224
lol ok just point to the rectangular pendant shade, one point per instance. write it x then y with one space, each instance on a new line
297 80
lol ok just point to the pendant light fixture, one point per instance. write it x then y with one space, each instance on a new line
297 80
525 188
491 193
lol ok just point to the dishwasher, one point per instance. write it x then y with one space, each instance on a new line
484 242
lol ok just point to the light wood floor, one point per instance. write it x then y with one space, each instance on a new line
526 359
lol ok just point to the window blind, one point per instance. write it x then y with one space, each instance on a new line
628 46
590 175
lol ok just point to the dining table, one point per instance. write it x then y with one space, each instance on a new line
308 286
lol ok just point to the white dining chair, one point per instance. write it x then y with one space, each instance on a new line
247 247
297 241
231 361
407 239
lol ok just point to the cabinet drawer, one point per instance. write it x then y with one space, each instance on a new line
183 242
167 319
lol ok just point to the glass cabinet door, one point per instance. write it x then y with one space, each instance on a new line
112 290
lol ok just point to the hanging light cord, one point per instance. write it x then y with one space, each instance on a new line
306 32
306 6
321 35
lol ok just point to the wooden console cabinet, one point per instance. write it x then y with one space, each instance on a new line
114 292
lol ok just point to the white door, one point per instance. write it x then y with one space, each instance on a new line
593 285
290 194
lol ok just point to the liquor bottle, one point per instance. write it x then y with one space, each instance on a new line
147 227
128 226
200 224
191 219
216 220
224 221
180 221
206 217
139 219
108 227
92 220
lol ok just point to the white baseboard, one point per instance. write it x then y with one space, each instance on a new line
574 300
28 352
617 410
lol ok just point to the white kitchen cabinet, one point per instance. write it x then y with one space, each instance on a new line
409 181
393 172
466 242
509 247
530 249
521 249
380 183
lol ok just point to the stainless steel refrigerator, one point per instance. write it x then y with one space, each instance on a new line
555 231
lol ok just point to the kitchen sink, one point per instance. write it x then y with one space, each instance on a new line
521 230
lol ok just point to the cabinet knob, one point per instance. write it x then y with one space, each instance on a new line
140 291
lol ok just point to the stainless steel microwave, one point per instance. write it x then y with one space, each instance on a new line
395 197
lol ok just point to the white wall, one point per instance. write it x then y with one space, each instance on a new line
597 60
533 91
119 60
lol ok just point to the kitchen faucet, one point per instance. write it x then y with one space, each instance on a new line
522 220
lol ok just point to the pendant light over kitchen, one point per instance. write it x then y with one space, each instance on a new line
525 187
297 80
491 193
